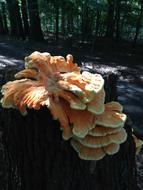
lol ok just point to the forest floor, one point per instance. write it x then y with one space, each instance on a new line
126 64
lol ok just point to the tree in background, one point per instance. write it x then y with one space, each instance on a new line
80 20
138 23
16 27
1 23
35 26
3 18
110 19
117 19
25 18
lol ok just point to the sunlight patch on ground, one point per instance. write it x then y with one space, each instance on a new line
122 68
130 96
6 61
126 78
2 65
141 78
102 68
5 45
99 67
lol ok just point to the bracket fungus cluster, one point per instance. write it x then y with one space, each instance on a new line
76 99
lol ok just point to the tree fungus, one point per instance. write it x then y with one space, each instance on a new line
76 99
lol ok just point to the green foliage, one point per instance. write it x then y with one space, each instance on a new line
98 5
85 18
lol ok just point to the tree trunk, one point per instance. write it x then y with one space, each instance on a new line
16 28
13 25
57 21
70 25
63 21
98 16
4 18
84 21
117 19
25 18
1 24
87 22
138 25
36 156
110 19
35 26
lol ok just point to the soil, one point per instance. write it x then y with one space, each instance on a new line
126 65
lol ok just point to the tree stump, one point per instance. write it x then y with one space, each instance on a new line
36 157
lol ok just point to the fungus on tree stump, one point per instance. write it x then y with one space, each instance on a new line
67 95
76 100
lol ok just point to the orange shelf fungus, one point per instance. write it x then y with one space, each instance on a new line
96 105
87 153
101 141
26 73
58 112
103 131
111 149
75 99
80 127
114 106
112 116
23 93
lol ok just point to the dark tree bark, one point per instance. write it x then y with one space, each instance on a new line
1 24
25 18
117 19
35 26
16 27
70 26
110 19
97 27
63 20
57 21
13 25
38 158
98 17
138 24
4 18
85 21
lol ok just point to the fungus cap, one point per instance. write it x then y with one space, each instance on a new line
96 105
72 99
111 119
81 120
111 148
98 131
89 87
101 141
113 106
26 73
37 60
87 153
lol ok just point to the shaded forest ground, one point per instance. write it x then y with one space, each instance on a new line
120 59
